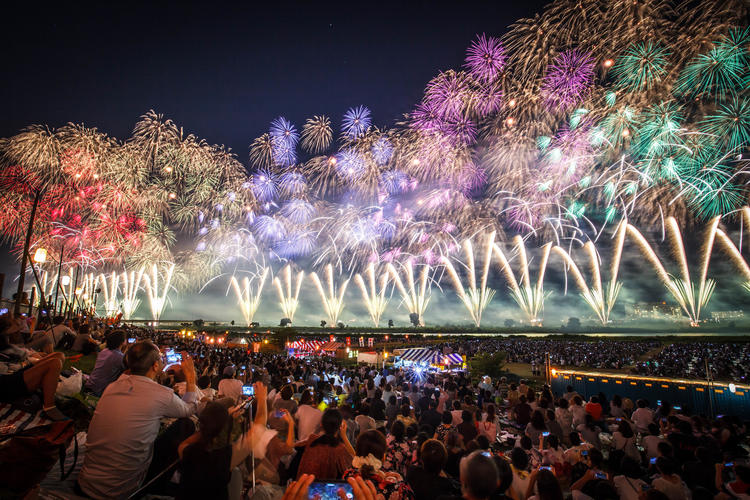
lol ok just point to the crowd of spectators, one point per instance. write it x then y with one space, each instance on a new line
264 425
726 360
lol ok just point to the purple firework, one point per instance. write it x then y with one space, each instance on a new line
448 92
485 58
292 183
356 122
296 244
461 130
394 181
382 151
568 79
349 164
269 229
283 154
488 100
426 118
282 132
264 186
298 211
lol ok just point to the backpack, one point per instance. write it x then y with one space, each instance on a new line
28 456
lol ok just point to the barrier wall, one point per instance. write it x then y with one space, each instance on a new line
694 396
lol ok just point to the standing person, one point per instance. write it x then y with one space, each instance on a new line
109 364
122 434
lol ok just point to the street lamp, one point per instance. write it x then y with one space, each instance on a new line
40 256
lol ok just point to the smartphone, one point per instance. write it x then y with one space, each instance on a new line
678 408
243 367
487 454
278 414
545 434
173 357
729 464
545 467
248 390
658 402
4 310
131 340
585 453
618 419
600 475
329 490
652 461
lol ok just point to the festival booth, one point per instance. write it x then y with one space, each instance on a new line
236 342
371 358
335 349
424 358
301 348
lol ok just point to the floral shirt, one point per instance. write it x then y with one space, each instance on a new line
400 455
442 431
388 485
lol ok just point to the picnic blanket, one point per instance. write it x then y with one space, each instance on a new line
20 419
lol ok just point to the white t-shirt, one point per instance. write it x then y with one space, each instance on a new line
651 444
628 488
674 491
308 421
642 417
230 388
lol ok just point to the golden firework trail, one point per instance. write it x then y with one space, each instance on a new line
529 299
333 300
131 283
373 292
157 294
416 297
474 298
601 301
110 290
248 297
682 289
288 300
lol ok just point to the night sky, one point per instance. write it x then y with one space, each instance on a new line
224 71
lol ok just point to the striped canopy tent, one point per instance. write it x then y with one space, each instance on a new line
332 346
306 345
430 357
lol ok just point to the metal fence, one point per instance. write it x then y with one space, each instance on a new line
694 396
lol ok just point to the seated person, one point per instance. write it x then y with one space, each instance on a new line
40 374
429 481
108 365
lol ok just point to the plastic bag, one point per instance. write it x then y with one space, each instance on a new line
69 386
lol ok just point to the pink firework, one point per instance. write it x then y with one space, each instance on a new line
426 118
568 79
448 93
461 131
485 58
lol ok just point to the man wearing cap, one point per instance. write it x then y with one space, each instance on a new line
230 387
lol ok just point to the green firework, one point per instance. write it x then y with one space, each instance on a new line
730 123
642 66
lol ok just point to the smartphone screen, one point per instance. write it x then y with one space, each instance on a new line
545 434
600 475
329 490
248 390
652 461
173 357
131 340
278 414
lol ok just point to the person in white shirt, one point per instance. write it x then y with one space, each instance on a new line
651 442
230 387
642 417
126 422
308 417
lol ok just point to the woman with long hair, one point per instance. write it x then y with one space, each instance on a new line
401 450
489 424
536 427
329 455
